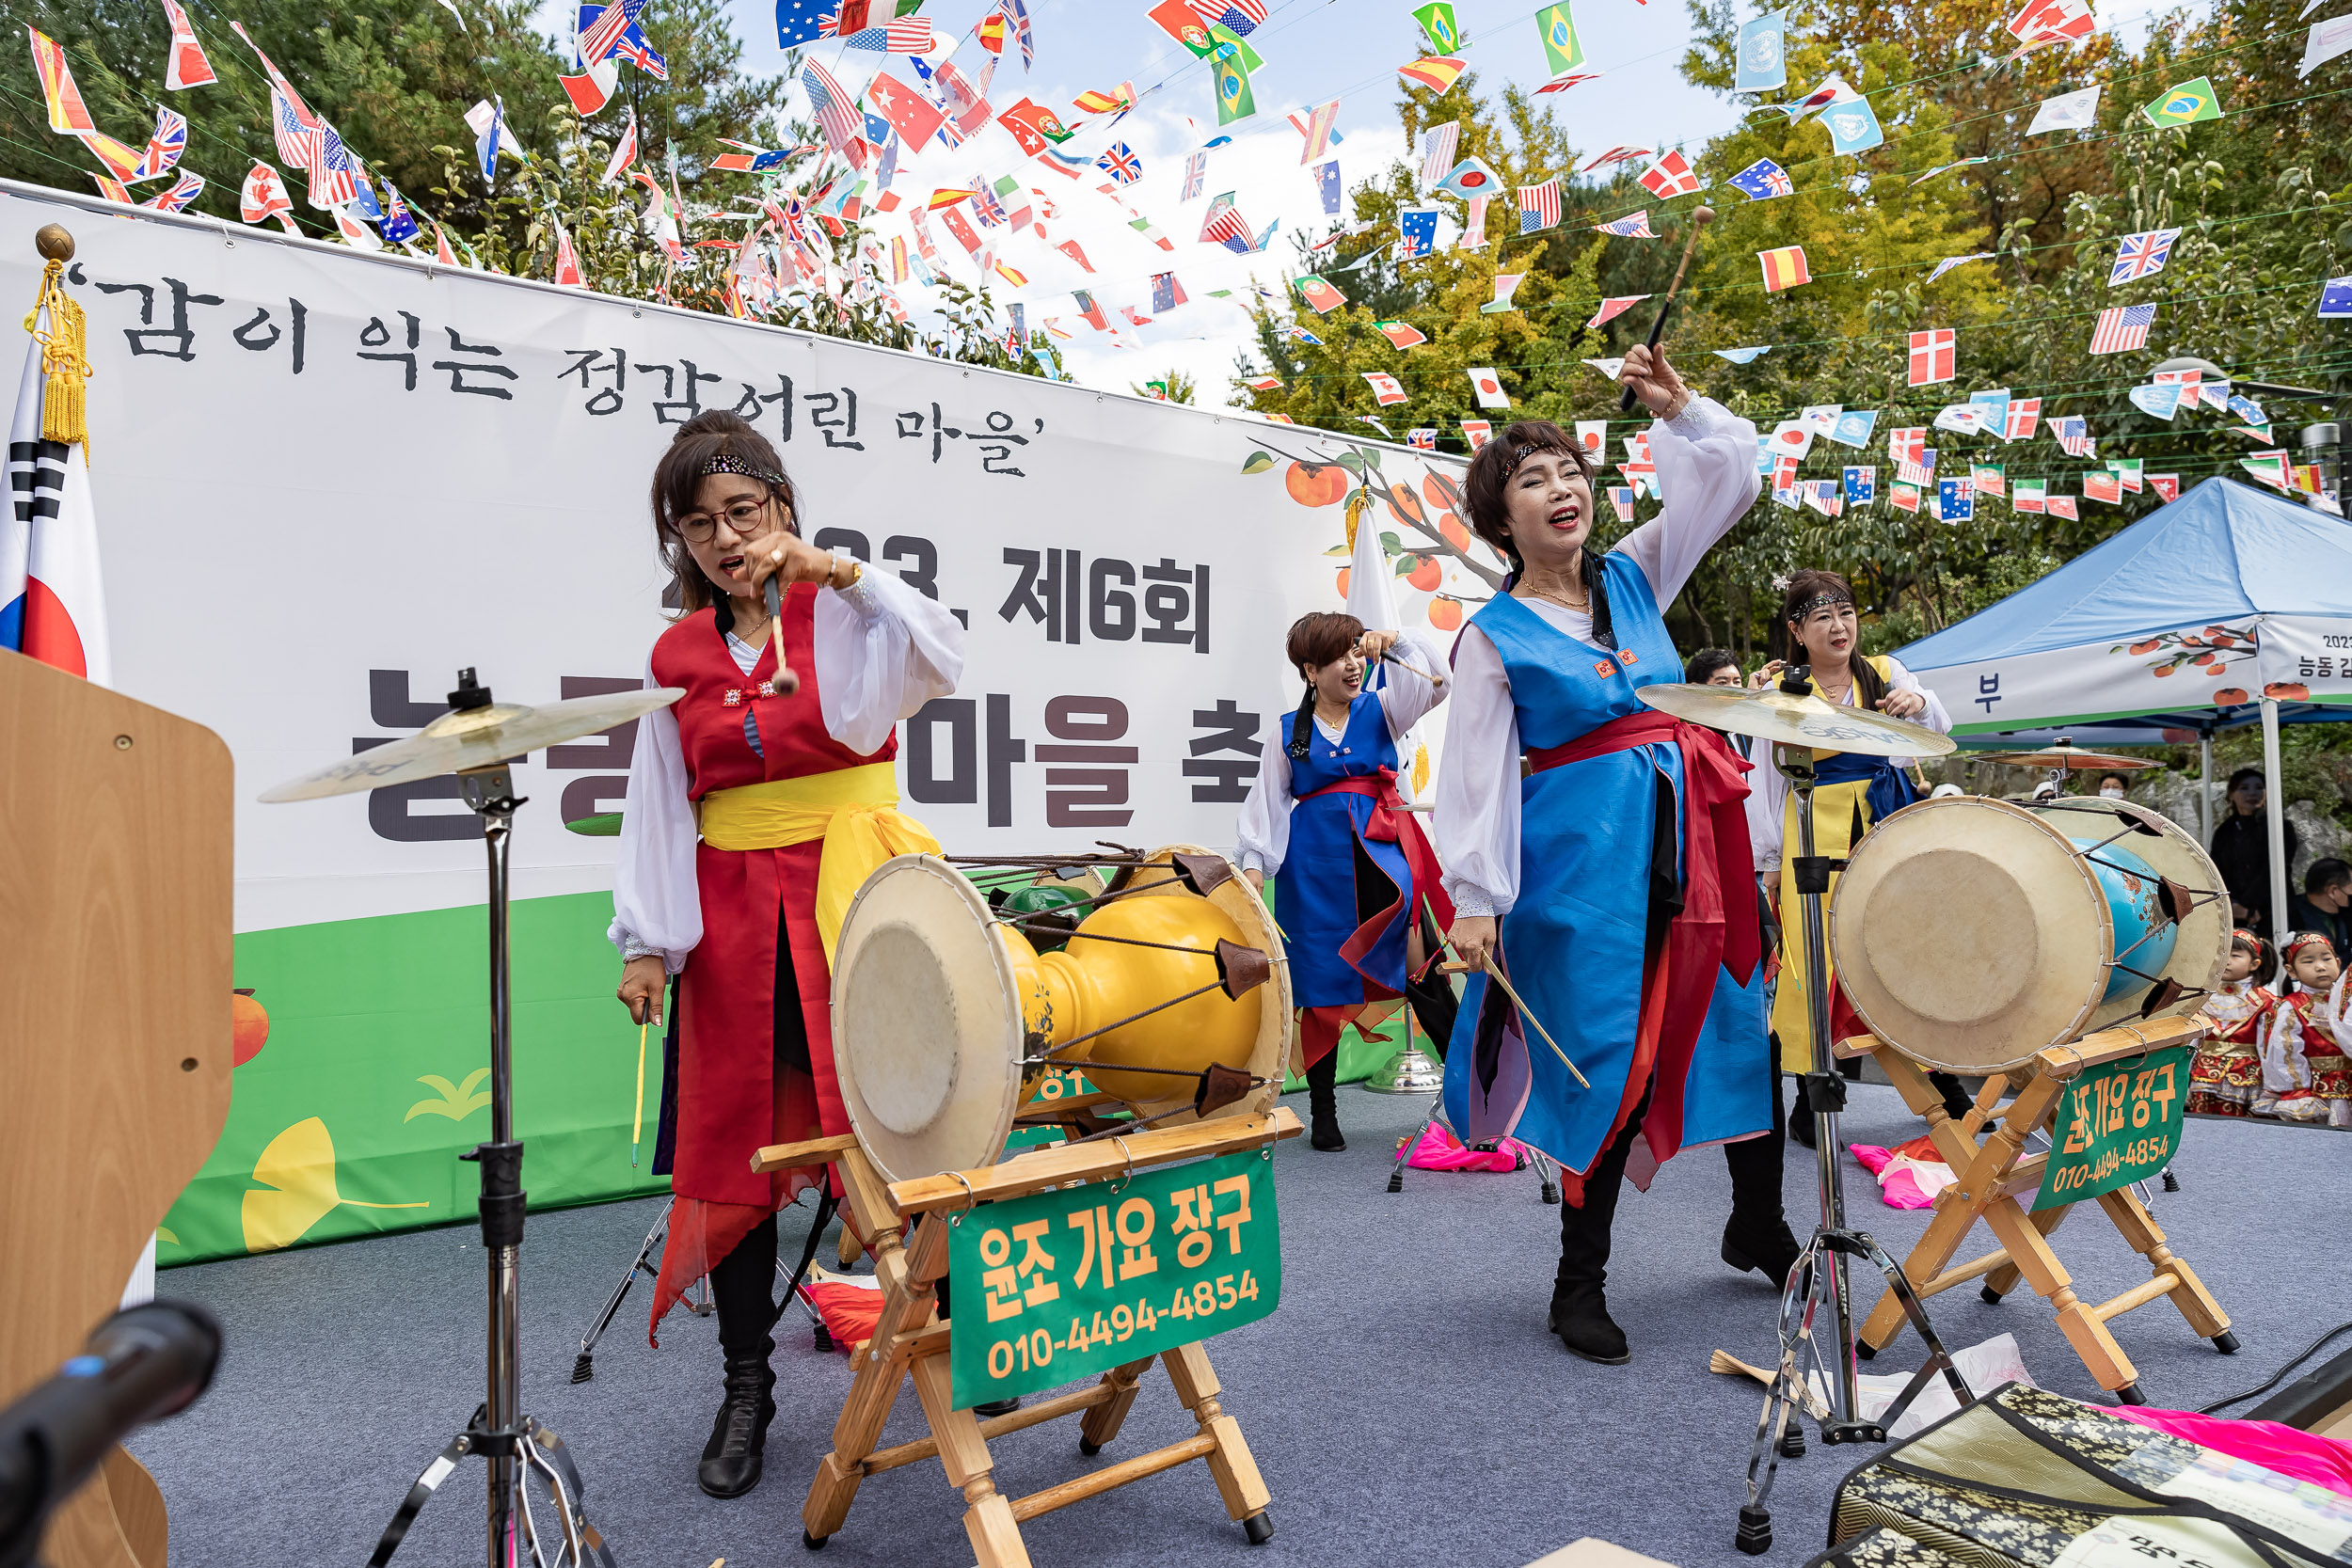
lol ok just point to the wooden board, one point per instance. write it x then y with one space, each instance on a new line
115 826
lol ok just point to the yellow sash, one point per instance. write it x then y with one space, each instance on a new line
854 809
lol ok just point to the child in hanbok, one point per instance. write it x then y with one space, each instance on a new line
2226 1077
2306 1075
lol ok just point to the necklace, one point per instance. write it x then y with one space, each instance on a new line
1583 606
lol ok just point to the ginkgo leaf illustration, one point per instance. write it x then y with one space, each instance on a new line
457 1102
299 1163
164 1233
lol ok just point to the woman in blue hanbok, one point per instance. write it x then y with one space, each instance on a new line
1355 866
1596 849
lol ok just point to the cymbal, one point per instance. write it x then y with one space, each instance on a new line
1774 715
475 738
2065 756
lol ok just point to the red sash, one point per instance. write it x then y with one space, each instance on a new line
1392 824
1716 925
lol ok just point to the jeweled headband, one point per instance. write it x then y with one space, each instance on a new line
2297 940
727 463
1826 597
1521 454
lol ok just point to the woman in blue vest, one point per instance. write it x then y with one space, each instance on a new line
1596 849
1356 868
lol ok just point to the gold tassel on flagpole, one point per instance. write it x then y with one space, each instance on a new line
64 356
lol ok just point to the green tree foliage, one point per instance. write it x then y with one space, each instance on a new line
2264 197
394 77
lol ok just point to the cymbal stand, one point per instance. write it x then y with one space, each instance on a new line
511 1443
1819 1281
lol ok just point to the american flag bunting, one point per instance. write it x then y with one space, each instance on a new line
2122 328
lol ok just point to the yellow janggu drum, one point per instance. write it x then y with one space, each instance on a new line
1970 933
960 985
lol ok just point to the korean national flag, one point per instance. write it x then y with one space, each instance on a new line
1956 500
1327 185
2335 298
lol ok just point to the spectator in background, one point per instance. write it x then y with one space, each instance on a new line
1718 667
2327 892
2113 787
2241 851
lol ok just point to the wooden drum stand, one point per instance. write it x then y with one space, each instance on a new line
1996 1184
910 1343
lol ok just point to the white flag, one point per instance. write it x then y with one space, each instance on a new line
2072 111
1370 595
2327 40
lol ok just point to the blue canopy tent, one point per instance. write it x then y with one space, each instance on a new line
2226 608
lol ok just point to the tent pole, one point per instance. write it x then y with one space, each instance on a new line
2204 788
2275 821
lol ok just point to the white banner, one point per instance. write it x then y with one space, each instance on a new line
325 481
2182 669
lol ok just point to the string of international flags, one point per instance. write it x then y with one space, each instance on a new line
868 135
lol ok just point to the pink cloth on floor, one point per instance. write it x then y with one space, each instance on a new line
1908 1175
2322 1460
1440 1150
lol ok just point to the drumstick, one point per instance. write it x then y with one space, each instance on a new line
637 1127
1497 976
1414 669
1700 218
784 680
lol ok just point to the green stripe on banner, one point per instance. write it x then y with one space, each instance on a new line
334 1130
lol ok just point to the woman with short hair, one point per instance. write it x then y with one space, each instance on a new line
1596 849
1355 869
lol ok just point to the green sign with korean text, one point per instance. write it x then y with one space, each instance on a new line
2115 1125
1071 1282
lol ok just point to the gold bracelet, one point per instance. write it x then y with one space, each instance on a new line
857 570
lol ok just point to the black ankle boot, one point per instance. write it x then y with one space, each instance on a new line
1765 1245
1580 1315
730 1465
1322 1108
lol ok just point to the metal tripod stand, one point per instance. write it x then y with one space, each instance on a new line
511 1443
1819 1281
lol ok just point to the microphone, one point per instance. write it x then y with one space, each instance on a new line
139 1366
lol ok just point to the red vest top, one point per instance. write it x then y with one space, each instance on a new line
693 654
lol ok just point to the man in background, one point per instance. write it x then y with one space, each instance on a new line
2326 894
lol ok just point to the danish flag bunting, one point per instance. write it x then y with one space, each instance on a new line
1933 355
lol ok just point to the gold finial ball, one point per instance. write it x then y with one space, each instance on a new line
1702 216
54 243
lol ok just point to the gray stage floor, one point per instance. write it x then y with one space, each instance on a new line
1405 1403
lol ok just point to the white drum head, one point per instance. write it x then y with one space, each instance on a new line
1967 935
927 1034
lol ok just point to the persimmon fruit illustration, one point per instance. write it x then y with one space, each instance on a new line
2287 691
1445 615
2230 696
1426 573
248 1028
1316 483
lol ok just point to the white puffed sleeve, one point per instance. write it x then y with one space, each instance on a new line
1477 818
882 651
655 905
1407 696
1264 833
1707 480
